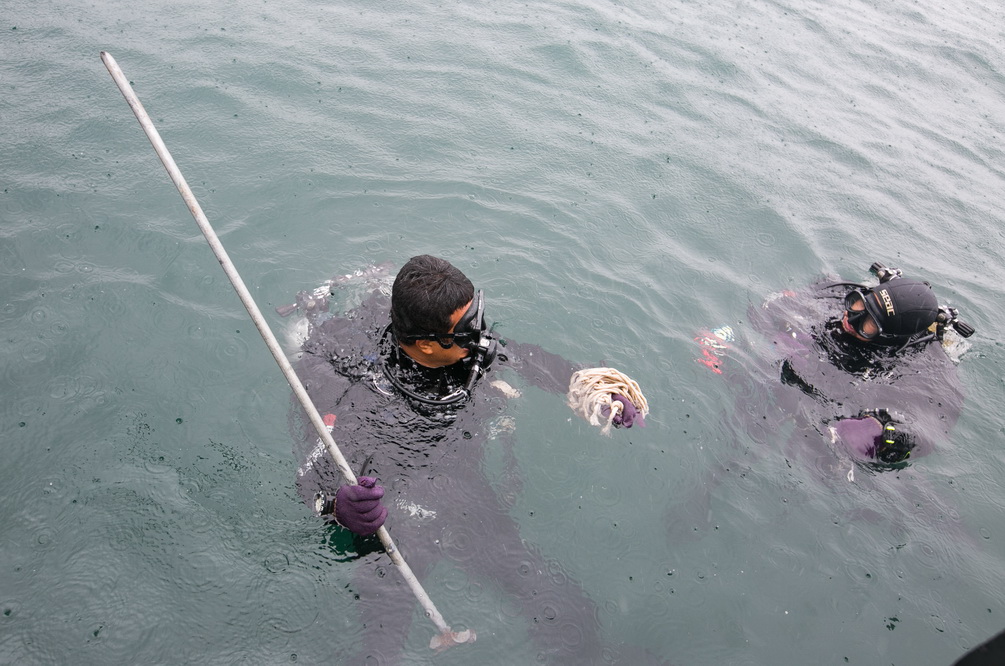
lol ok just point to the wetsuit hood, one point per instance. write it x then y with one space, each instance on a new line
903 307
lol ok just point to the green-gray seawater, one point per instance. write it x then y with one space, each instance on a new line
617 176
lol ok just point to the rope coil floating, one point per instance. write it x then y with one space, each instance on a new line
591 393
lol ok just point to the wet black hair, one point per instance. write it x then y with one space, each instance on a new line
426 292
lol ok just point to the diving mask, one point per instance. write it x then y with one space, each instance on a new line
468 331
862 313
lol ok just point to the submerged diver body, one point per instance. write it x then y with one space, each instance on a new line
413 409
874 360
869 372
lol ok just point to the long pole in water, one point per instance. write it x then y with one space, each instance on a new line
446 637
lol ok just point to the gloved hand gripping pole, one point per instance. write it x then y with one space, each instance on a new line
446 637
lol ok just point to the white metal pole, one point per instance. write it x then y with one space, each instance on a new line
446 638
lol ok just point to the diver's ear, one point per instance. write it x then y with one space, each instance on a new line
425 346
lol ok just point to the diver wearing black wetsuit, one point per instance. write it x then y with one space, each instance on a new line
414 410
879 368
865 381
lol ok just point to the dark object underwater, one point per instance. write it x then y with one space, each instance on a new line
989 653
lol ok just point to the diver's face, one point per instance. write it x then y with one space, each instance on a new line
431 354
856 321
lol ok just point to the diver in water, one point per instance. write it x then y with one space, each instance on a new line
414 409
886 341
868 380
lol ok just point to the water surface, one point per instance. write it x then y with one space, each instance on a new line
616 176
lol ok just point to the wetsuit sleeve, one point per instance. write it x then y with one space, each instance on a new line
316 472
346 404
774 318
540 368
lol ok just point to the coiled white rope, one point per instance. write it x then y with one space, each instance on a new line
591 392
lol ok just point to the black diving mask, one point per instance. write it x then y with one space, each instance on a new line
468 331
857 319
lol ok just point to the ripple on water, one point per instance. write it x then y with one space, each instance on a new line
456 580
458 543
34 351
73 387
557 616
288 599
230 349
614 533
608 494
936 552
111 303
10 614
276 562
474 592
202 571
39 314
166 318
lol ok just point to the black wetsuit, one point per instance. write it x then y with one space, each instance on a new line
845 377
796 379
429 460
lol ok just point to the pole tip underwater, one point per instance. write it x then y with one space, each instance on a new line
449 638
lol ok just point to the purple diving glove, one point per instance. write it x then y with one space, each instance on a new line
358 508
628 413
859 435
